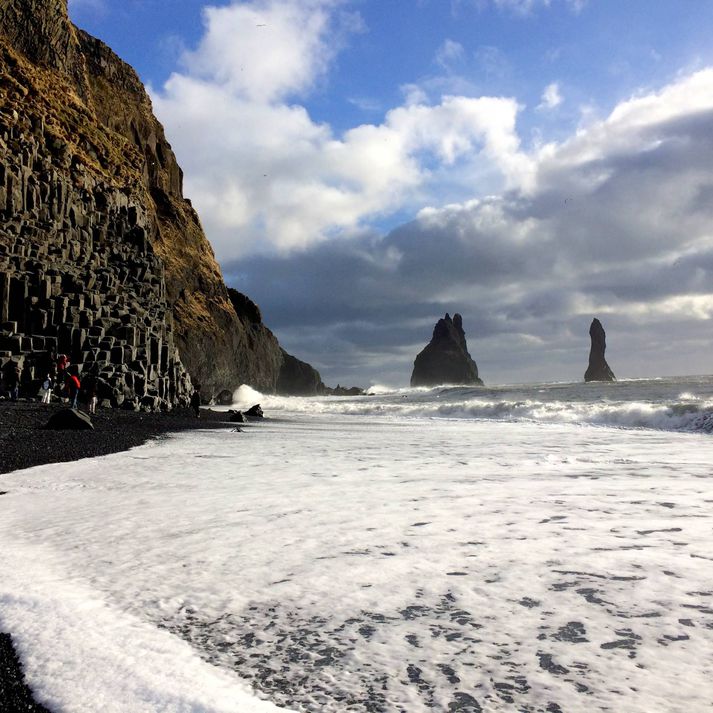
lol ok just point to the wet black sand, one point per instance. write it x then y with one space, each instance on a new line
15 696
25 443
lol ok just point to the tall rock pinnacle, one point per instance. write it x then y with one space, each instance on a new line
445 360
598 369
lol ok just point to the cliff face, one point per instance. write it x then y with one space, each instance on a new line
445 359
96 238
598 369
297 378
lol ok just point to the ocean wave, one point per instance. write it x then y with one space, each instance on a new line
668 417
650 404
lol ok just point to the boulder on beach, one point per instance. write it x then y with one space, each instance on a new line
598 369
236 417
254 412
445 360
69 420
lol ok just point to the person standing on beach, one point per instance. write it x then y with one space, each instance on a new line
62 364
196 401
92 395
47 387
72 385
14 383
61 371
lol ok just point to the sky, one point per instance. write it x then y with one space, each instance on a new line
362 167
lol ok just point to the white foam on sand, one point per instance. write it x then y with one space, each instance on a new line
82 655
337 562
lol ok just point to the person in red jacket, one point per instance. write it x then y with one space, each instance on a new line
72 385
61 366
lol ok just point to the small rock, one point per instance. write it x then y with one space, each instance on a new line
70 420
254 412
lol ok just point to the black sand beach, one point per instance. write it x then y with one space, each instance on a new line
15 696
24 443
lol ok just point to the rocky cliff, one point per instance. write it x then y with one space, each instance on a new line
445 359
101 256
598 369
297 378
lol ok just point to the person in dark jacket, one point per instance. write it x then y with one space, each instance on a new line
196 401
91 392
14 377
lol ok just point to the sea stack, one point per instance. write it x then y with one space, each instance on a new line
598 369
446 360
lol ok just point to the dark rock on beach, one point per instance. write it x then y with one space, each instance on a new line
69 419
24 442
254 412
344 391
446 360
598 369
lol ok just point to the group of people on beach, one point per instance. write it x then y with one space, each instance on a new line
60 382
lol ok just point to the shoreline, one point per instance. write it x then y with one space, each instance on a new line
15 694
24 443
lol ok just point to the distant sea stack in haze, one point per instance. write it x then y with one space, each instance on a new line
445 359
598 369
101 256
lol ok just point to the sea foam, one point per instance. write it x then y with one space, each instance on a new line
651 404
394 563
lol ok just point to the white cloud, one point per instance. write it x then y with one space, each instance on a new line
617 222
493 61
520 8
263 175
264 50
449 54
578 5
551 97
366 104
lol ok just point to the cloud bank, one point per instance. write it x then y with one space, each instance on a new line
265 176
616 221
618 224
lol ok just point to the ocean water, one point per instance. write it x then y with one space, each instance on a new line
531 548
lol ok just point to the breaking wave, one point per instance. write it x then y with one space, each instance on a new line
684 404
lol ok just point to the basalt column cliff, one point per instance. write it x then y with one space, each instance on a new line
101 257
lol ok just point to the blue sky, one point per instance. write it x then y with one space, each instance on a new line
363 166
